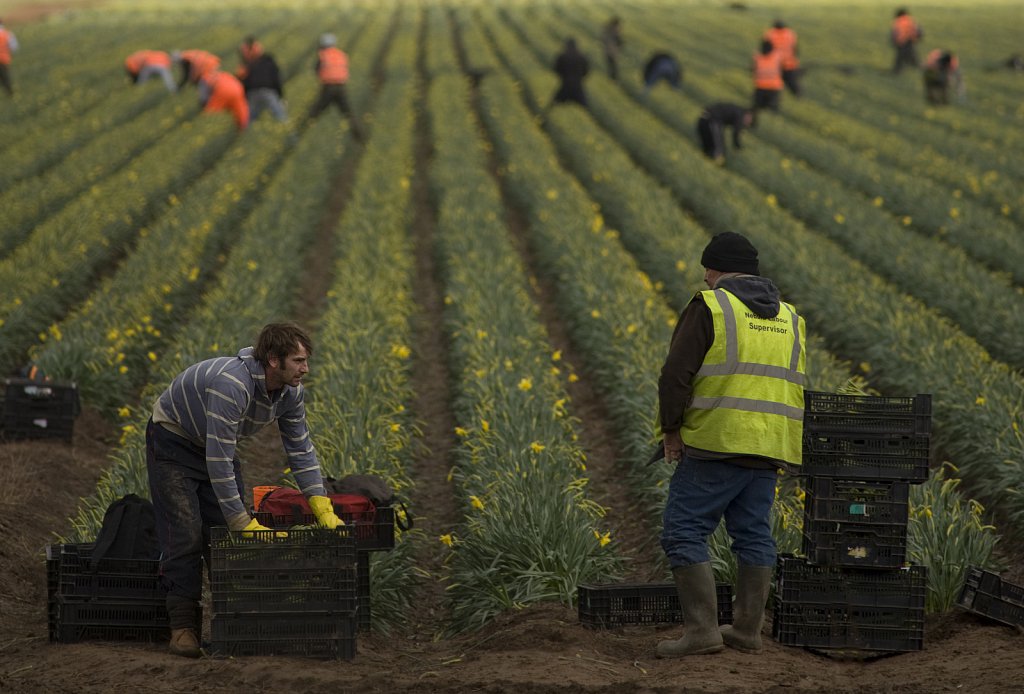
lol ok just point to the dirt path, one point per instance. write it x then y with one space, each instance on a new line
436 512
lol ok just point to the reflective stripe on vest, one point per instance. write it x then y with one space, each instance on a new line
748 394
5 47
333 66
768 71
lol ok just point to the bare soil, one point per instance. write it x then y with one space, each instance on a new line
539 649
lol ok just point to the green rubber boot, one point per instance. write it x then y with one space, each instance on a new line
699 602
752 584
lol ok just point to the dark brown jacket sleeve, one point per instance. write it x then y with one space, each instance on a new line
691 340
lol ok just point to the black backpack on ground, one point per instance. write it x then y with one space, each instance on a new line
128 531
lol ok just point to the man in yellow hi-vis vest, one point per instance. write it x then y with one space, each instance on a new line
731 404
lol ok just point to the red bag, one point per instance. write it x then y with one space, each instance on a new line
284 507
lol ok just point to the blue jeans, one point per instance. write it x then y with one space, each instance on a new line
700 494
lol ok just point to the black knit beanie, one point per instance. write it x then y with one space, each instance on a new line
730 252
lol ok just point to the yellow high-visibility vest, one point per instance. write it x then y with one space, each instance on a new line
748 396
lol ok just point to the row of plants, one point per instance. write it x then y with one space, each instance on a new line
255 285
30 200
958 518
941 276
359 397
530 532
34 152
917 202
166 169
57 265
947 159
977 401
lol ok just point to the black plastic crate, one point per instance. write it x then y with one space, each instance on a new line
375 534
614 605
263 550
363 591
313 635
865 457
867 414
880 629
38 409
986 594
850 501
798 581
879 545
72 621
275 590
70 575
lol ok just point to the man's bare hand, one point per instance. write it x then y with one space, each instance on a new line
673 447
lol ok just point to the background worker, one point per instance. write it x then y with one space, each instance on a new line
142 65
249 50
194 476
712 124
332 71
731 404
195 63
784 41
8 46
662 66
221 91
571 66
904 35
766 68
611 41
942 71
263 88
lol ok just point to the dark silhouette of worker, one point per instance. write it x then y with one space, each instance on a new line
712 124
941 72
571 66
611 41
662 67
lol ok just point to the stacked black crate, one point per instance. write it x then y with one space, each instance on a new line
373 531
277 593
861 454
107 600
33 409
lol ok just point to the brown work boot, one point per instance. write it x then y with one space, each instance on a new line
752 586
185 643
699 602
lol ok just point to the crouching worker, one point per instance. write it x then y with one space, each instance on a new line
942 71
712 124
731 403
221 91
194 477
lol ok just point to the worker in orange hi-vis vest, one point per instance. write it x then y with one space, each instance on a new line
904 34
768 84
142 65
221 91
248 51
195 64
783 40
332 71
942 71
8 46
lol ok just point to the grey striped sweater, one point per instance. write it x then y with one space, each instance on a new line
219 402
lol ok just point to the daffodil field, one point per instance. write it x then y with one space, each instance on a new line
138 235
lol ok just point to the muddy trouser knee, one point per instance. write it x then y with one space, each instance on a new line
186 508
